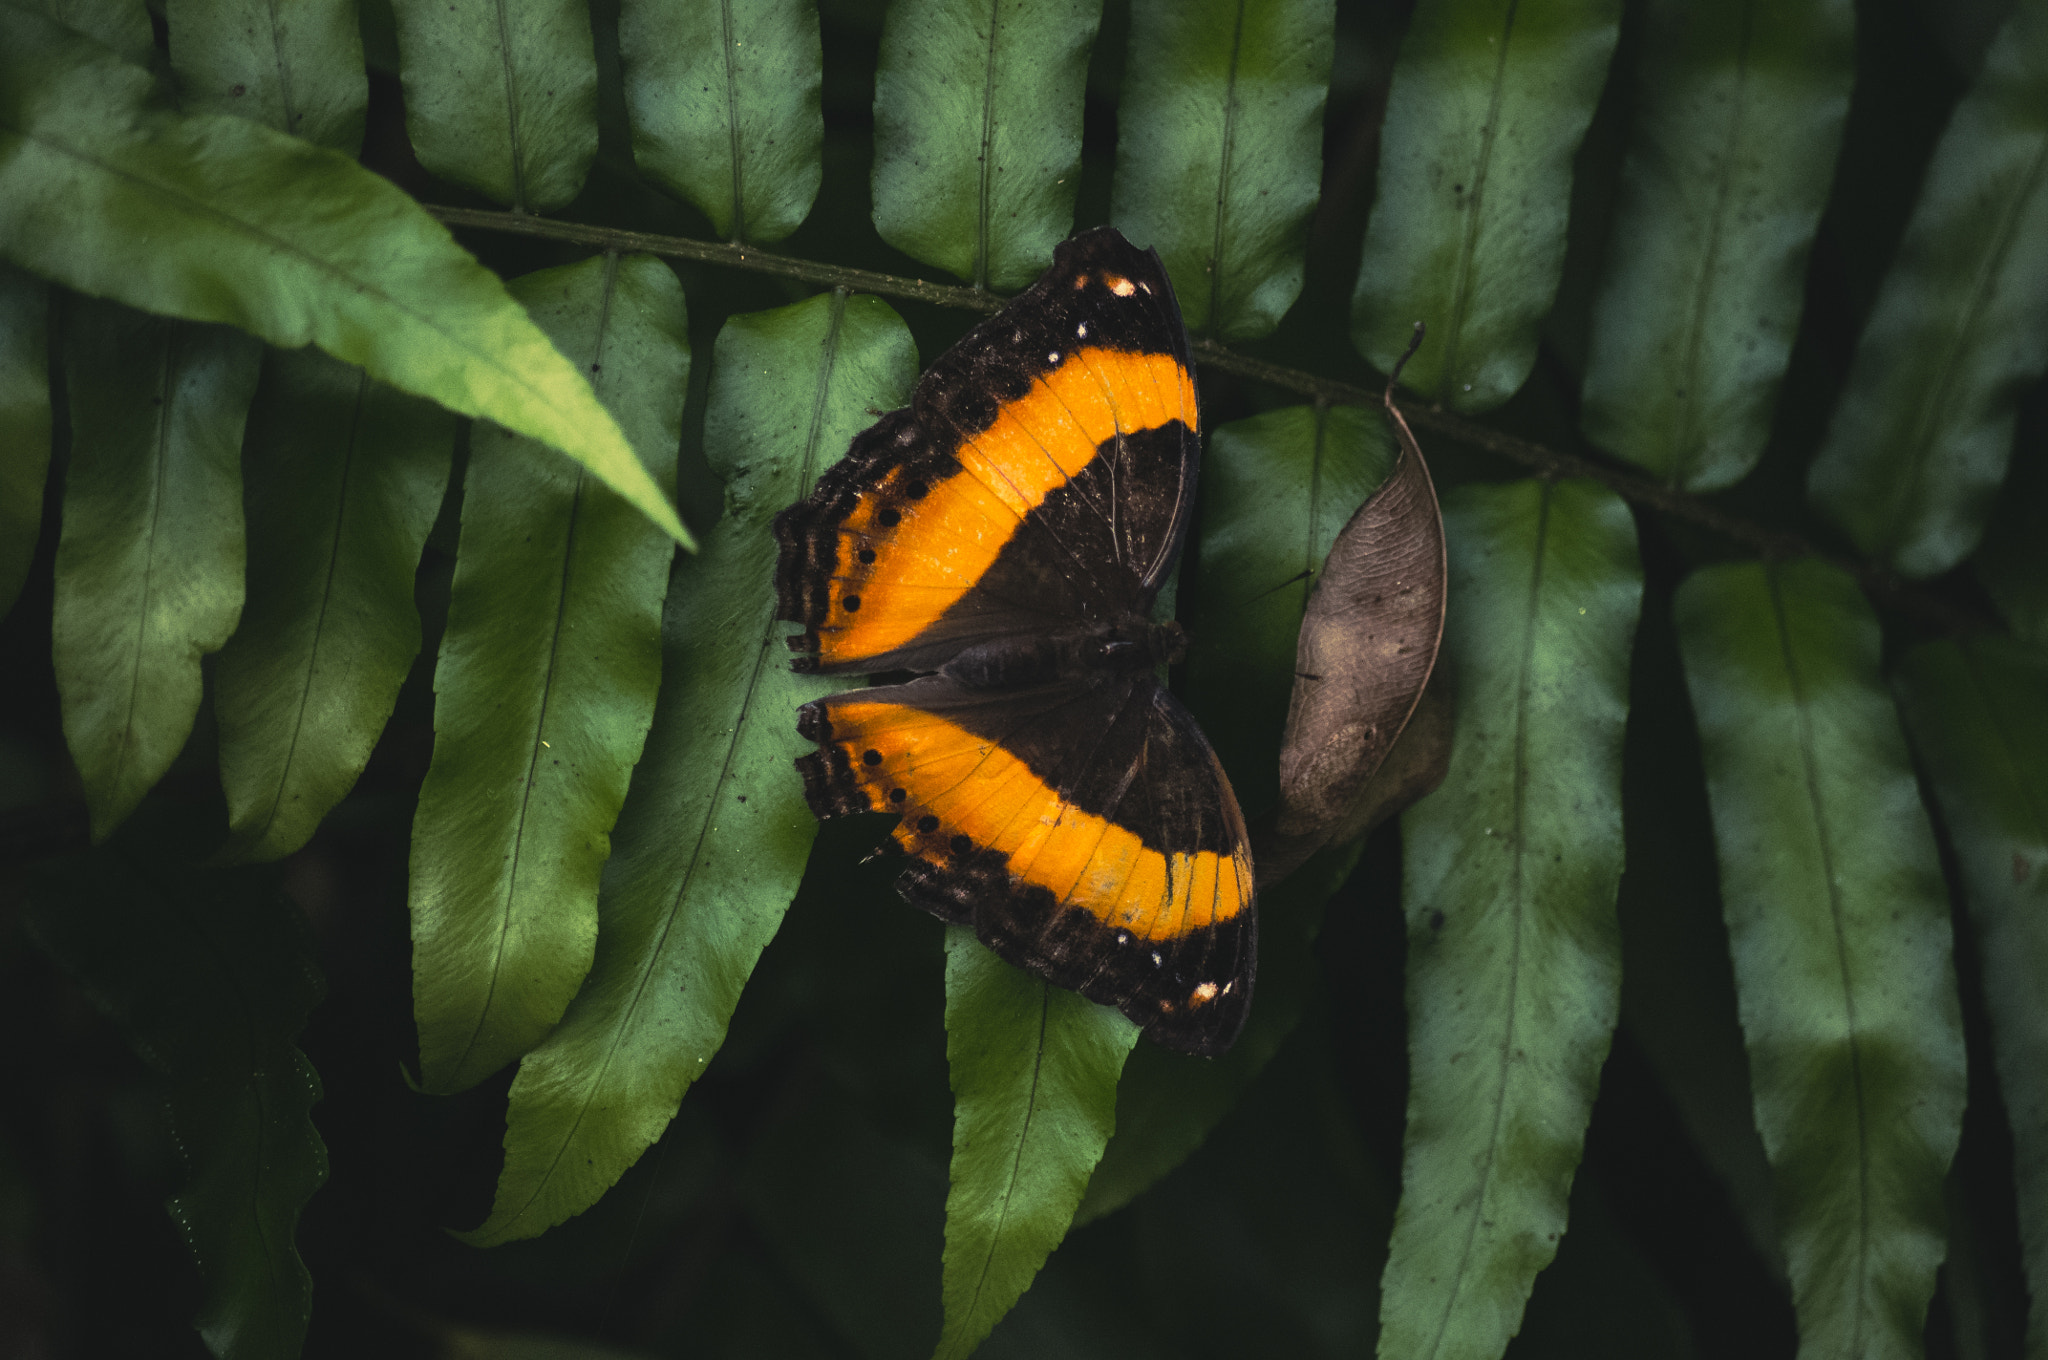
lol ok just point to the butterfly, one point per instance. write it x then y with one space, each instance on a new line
1006 535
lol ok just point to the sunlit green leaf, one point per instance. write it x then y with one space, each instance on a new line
1510 871
222 219
1219 154
1920 441
544 687
1034 1071
1276 491
211 978
297 67
724 103
713 840
1489 101
1978 713
149 565
978 132
344 476
501 95
24 423
1838 923
1738 117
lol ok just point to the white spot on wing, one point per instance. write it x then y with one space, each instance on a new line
1156 960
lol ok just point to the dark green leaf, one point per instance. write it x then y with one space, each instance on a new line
545 686
1839 928
1489 101
1978 713
1920 441
978 132
211 978
149 565
1510 873
1219 155
501 95
724 103
1739 115
853 1216
472 1343
24 423
1267 1242
1167 1103
297 68
222 219
713 840
1276 491
122 25
2011 565
1034 1071
344 477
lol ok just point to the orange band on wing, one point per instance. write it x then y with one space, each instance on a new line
956 784
929 549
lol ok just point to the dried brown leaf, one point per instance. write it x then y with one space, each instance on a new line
1368 644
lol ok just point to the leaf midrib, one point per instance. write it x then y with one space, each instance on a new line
1696 321
1475 202
158 493
1524 684
1810 768
963 1320
1230 106
1907 491
986 211
348 464
510 76
564 584
285 100
732 122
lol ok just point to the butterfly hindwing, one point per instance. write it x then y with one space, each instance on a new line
1083 829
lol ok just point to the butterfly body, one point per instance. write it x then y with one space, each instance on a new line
1008 534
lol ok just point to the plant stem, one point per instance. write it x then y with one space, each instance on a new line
1879 582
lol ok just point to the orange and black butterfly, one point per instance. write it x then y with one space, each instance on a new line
1007 534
